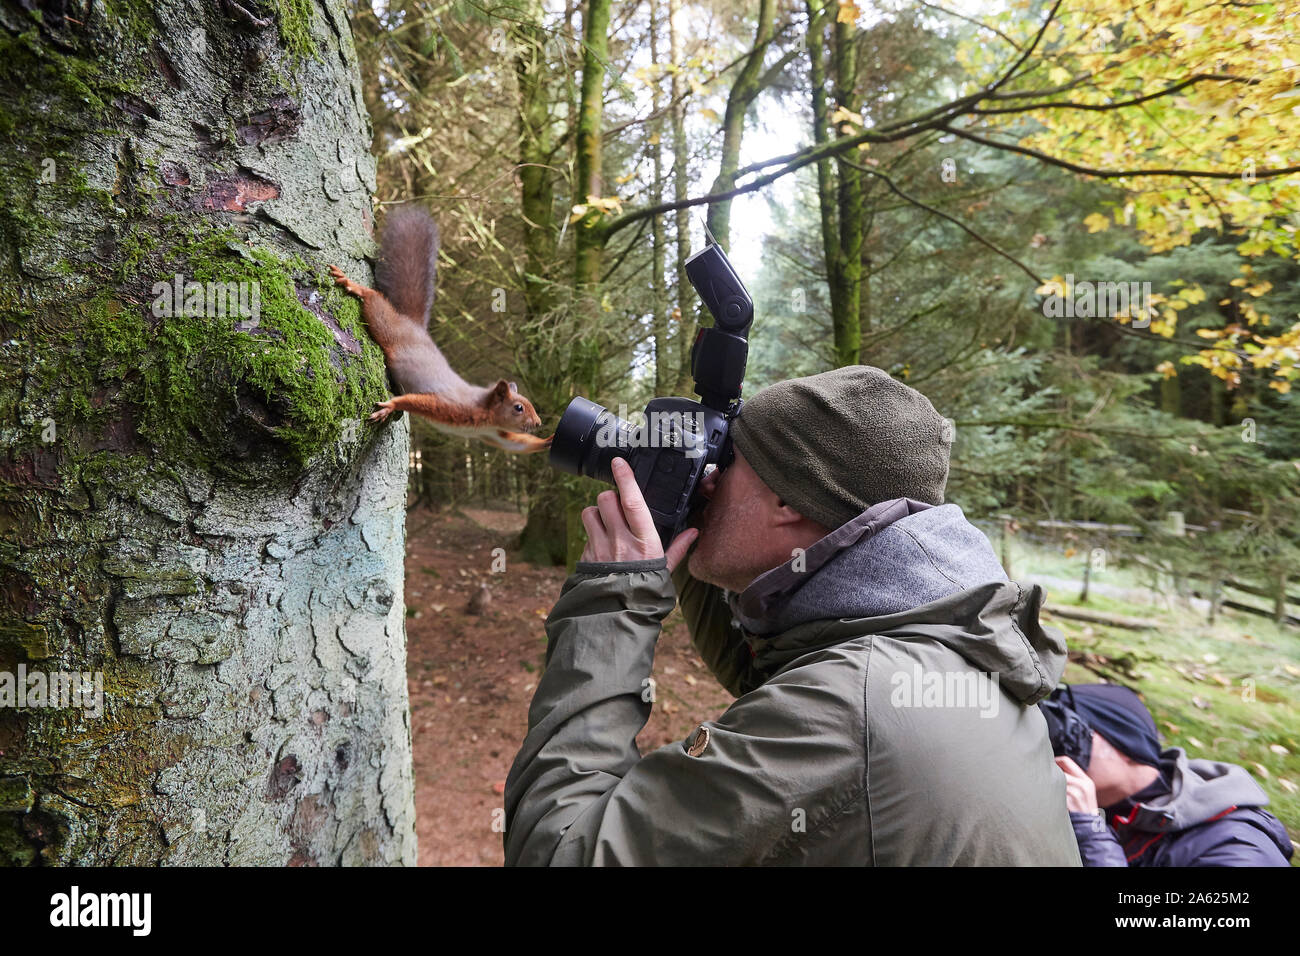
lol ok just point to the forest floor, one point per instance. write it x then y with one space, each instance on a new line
1228 691
471 676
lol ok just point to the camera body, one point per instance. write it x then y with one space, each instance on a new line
1070 735
677 438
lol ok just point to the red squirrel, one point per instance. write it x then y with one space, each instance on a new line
398 317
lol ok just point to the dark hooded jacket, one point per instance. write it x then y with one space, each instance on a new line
1196 813
885 679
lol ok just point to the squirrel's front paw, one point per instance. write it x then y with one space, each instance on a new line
342 280
383 411
532 444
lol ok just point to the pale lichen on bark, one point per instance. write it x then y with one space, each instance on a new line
214 526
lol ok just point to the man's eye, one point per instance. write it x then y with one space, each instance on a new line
518 407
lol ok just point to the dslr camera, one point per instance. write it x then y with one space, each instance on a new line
1070 736
678 438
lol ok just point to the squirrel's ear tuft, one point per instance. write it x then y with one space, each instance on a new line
500 392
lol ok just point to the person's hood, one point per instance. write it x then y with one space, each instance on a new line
1199 790
916 571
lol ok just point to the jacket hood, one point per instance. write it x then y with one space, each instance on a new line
917 571
1199 790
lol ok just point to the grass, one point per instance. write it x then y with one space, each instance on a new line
1227 691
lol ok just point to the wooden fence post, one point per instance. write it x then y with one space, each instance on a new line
1006 546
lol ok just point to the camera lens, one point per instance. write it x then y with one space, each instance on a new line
588 438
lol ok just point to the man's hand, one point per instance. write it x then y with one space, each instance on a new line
619 527
1080 791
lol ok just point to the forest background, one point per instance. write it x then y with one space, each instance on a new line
920 187
309 650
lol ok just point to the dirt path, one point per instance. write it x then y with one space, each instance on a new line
472 676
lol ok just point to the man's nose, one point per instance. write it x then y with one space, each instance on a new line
709 483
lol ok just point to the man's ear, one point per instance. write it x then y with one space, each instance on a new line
785 515
500 392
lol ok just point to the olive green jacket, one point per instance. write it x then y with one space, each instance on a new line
854 741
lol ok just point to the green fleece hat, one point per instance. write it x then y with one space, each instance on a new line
832 445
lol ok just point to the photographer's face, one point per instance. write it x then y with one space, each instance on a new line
745 529
1116 775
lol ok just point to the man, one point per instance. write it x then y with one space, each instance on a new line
1162 809
885 666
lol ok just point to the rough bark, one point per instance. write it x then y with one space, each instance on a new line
193 505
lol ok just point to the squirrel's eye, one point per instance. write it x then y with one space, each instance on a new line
518 407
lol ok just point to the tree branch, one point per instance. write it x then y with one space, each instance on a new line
943 215
1174 88
970 20
1116 173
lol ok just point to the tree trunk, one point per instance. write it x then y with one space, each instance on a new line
839 186
659 255
194 510
542 540
1171 395
589 238
536 153
847 273
686 308
747 86
825 169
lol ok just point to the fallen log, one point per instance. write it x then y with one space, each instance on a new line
1101 617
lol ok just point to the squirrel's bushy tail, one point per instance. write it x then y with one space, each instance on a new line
408 263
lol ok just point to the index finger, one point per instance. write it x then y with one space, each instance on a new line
634 506
1070 767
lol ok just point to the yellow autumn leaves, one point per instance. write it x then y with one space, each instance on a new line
601 204
1172 85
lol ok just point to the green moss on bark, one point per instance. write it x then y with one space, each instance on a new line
295 28
195 382
40 155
